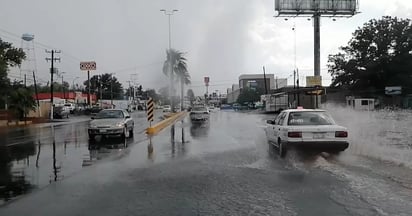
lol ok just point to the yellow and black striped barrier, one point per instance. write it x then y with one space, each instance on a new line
150 110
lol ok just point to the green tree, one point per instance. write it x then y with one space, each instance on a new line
107 85
248 95
152 93
9 57
175 65
378 55
21 100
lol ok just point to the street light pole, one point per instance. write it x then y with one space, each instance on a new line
169 13
74 88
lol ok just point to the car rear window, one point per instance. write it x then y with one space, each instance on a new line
110 114
310 118
199 109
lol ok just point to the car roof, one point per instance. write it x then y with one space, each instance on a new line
304 110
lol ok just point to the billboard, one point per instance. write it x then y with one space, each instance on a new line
312 81
322 7
206 80
87 66
393 90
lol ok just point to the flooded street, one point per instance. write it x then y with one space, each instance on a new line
224 167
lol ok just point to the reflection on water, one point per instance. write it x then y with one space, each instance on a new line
32 157
199 129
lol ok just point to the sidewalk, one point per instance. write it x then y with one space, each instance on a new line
56 122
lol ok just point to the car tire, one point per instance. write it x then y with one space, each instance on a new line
123 136
282 149
131 133
91 137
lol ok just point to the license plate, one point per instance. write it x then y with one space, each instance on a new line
103 131
318 135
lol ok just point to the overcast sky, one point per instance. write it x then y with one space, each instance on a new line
221 38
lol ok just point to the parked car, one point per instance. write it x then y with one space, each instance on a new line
199 114
60 112
111 122
306 129
71 107
167 108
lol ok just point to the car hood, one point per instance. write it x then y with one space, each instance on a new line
106 122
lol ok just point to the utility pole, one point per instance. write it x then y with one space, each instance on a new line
111 90
25 81
297 83
264 78
169 13
64 93
52 60
101 92
35 90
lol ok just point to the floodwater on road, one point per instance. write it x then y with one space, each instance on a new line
224 167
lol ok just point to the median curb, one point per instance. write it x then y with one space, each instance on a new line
161 125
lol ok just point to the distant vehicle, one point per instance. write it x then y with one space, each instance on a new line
275 102
225 106
307 129
199 114
60 112
111 122
167 108
71 107
236 106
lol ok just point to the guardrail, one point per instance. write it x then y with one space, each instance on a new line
163 124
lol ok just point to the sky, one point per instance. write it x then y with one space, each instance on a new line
221 39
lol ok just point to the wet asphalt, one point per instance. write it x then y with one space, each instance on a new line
224 167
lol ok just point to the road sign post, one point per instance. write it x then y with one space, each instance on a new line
88 66
150 111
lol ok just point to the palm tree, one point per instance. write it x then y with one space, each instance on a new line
175 64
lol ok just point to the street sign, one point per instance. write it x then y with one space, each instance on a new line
312 81
393 90
207 79
150 110
88 66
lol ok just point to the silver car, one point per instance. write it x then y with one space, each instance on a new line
111 122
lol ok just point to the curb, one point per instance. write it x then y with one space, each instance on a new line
161 125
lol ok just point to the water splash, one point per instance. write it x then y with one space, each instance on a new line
383 135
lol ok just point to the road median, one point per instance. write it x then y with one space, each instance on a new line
156 128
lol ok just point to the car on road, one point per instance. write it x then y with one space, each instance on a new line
199 114
71 107
167 108
111 122
60 112
306 129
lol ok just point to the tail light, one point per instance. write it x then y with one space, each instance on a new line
341 134
295 134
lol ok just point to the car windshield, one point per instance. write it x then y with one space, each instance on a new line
109 114
166 106
203 109
310 118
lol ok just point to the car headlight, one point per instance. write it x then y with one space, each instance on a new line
119 125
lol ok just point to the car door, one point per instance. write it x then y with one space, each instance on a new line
278 126
270 129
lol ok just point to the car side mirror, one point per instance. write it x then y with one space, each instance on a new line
269 122
92 117
127 117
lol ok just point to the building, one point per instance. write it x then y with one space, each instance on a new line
74 97
257 81
233 93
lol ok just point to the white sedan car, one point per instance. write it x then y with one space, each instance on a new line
309 129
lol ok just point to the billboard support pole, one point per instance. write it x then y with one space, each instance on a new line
316 30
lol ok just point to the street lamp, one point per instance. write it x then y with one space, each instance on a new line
73 82
169 13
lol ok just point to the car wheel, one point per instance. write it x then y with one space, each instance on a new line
282 149
131 133
91 137
124 134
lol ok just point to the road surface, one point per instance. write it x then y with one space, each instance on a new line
225 167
